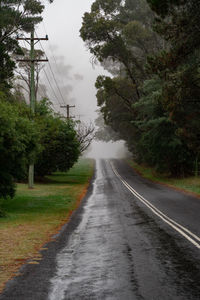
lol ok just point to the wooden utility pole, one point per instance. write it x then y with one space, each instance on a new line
68 109
32 41
32 105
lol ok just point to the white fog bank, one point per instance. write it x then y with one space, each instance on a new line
107 150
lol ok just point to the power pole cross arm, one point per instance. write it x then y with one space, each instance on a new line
33 60
68 108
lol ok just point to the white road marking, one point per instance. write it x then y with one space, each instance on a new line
191 237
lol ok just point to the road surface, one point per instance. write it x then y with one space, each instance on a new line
131 239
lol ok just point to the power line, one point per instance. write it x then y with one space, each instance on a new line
57 68
48 82
53 75
44 92
52 54
51 87
59 103
57 84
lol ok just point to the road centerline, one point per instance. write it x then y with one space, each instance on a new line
186 233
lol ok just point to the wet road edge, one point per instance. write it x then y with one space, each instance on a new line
34 279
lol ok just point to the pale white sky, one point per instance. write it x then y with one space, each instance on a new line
62 22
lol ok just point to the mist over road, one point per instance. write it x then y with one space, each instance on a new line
130 239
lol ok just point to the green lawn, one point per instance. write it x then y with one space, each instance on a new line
33 216
188 184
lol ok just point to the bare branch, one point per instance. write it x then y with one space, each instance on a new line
85 135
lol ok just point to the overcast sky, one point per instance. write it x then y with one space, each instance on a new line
74 72
62 22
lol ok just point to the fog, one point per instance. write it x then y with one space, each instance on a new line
71 64
107 150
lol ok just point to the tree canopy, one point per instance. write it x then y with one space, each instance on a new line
16 17
47 138
58 139
151 99
19 141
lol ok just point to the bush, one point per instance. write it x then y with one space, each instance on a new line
60 146
18 142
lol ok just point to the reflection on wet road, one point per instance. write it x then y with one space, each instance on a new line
91 265
119 251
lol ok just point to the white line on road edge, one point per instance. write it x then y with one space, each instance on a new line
179 228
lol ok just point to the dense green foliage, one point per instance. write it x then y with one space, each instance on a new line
19 136
16 17
152 98
178 66
18 143
46 138
58 138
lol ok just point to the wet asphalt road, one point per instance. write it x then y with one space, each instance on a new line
117 247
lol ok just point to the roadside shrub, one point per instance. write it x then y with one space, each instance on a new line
58 139
18 142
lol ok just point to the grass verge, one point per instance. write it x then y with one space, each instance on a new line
34 216
189 184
